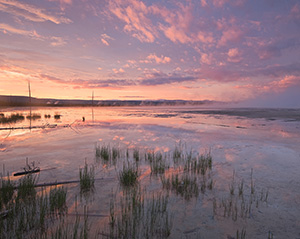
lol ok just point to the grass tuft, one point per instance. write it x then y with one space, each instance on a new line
26 188
157 163
57 200
87 178
13 118
129 175
6 191
186 185
108 154
33 116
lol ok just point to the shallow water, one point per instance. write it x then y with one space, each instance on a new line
266 141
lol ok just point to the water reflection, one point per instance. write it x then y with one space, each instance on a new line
236 143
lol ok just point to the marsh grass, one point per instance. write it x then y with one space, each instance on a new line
7 191
241 235
128 176
115 154
26 187
57 200
136 154
87 178
102 152
177 154
108 155
13 118
140 215
240 205
185 185
133 212
232 184
28 213
270 235
241 188
57 116
33 116
193 174
158 163
199 164
252 183
78 229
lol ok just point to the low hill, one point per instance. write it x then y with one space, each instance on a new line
8 101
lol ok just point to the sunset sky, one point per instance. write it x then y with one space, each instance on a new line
221 50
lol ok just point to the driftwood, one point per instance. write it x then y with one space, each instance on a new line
27 172
35 127
35 170
63 182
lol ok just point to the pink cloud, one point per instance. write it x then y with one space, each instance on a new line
133 13
234 55
232 34
104 42
63 3
30 12
175 34
205 37
158 60
54 41
206 58
203 3
105 38
219 3
287 81
295 11
269 52
178 23
7 28
116 71
272 86
57 41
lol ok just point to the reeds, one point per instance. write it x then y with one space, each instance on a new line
136 154
128 176
240 205
185 185
108 155
13 118
78 229
87 178
133 211
6 192
26 189
28 212
57 200
57 116
158 164
199 164
138 217
33 116
241 235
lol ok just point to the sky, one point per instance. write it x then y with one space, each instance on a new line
221 50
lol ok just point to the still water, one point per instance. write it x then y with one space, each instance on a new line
239 140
